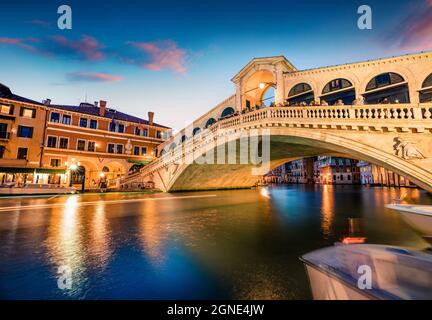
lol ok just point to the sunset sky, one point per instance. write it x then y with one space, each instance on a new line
176 58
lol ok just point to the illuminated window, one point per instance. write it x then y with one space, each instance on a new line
6 109
27 112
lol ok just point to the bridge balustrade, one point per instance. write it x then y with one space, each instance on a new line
392 113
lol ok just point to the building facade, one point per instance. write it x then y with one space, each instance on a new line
300 171
83 146
335 170
371 174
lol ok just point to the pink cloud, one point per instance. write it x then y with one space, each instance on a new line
415 33
87 47
18 43
162 55
93 77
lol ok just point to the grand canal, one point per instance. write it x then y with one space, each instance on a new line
241 244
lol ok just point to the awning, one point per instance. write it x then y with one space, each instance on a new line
31 170
50 171
141 162
16 170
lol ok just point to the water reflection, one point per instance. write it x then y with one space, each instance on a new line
240 244
327 210
152 233
99 244
64 245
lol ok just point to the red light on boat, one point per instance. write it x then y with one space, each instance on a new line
353 240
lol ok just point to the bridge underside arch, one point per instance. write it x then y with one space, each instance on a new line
287 144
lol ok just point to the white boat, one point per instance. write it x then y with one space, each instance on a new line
340 272
419 217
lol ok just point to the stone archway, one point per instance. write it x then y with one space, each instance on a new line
255 87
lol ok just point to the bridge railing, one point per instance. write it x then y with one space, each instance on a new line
376 112
391 113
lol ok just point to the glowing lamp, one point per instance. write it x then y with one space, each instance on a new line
73 166
262 85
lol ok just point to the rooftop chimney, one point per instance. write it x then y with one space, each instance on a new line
47 102
102 106
150 118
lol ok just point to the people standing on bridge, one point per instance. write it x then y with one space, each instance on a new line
324 103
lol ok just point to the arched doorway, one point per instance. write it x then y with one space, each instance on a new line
387 87
78 175
301 93
338 90
426 90
183 139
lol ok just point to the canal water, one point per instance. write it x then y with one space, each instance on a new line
242 244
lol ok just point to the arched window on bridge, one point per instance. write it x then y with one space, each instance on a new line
300 93
172 146
388 86
338 89
426 90
196 131
210 122
183 138
227 112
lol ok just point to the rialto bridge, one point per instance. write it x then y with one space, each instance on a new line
379 111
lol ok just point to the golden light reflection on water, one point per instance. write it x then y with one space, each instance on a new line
99 246
151 233
64 241
327 210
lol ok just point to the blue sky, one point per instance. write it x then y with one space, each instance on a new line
176 58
